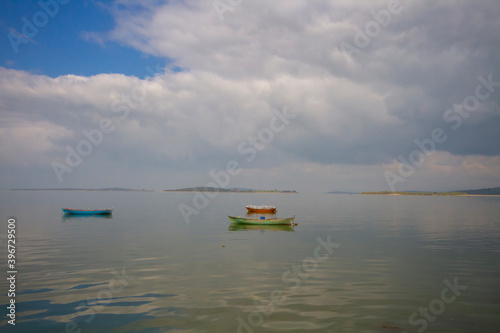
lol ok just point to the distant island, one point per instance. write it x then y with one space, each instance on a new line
484 191
415 193
118 189
227 190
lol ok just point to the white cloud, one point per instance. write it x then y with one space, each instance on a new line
30 144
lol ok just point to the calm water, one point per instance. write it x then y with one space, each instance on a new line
392 262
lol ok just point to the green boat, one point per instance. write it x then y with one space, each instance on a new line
261 221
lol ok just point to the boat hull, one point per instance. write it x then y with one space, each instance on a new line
87 211
272 221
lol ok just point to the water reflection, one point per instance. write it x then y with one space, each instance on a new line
240 227
76 218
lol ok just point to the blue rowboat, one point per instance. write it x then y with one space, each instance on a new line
106 211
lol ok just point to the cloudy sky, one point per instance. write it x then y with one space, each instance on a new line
316 96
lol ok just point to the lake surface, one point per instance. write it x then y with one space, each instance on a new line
354 263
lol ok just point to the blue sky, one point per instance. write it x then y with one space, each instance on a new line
366 86
60 47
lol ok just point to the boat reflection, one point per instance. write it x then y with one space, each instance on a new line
243 227
75 218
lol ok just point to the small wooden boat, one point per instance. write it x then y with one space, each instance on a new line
261 221
261 209
106 211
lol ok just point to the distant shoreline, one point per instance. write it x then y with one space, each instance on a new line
81 189
225 190
232 191
429 194
480 195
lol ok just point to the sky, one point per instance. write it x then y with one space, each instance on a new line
313 96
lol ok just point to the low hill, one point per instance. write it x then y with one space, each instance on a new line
484 191
228 190
118 189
